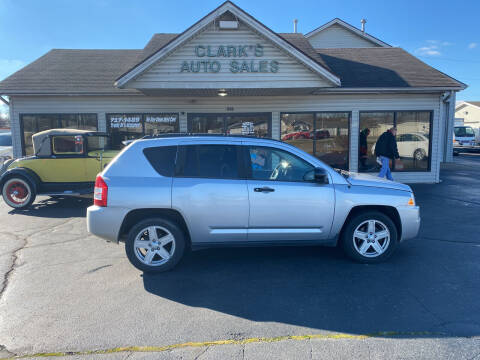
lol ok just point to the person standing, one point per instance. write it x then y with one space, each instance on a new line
386 149
363 149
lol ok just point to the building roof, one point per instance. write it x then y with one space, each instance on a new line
62 71
350 28
383 68
464 103
93 72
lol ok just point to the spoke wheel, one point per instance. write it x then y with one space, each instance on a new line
371 238
18 193
154 245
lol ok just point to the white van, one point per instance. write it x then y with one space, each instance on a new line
463 136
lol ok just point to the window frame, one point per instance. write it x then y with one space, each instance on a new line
225 115
83 154
58 121
248 164
142 119
430 137
181 157
315 112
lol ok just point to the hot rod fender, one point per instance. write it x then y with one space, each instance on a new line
23 172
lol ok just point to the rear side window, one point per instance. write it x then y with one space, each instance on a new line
162 159
210 161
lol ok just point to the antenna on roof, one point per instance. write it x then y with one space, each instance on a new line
295 22
363 22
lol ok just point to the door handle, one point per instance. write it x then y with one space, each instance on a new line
263 189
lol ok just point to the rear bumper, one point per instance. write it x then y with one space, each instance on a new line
105 222
410 219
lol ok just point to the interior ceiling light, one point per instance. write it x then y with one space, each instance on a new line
222 92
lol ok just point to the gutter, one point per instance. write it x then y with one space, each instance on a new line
5 101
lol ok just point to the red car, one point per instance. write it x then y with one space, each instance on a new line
296 135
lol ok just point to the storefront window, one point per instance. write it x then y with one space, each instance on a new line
254 124
156 124
206 124
413 138
33 123
331 134
134 126
322 134
124 127
372 125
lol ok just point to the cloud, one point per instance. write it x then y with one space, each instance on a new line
430 50
472 45
9 66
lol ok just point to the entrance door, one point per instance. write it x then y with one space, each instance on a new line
254 124
285 203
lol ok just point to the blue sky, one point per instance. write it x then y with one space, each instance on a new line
444 34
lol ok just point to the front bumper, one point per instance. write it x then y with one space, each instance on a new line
410 219
105 222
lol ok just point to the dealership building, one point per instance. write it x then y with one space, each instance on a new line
327 92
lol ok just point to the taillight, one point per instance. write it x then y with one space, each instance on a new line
100 192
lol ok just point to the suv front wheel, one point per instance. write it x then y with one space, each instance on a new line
155 245
370 237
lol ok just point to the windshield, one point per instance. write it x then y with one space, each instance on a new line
5 140
97 143
464 131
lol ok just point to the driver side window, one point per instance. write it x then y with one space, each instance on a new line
278 165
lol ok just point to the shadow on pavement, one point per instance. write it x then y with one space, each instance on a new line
430 284
318 288
58 208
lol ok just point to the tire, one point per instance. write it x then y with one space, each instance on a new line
419 154
166 253
18 192
360 225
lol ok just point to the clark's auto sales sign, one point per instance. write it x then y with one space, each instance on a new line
242 59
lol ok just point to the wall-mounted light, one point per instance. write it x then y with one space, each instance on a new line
222 92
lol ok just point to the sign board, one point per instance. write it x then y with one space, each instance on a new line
243 59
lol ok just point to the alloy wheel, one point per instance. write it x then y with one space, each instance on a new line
154 245
371 238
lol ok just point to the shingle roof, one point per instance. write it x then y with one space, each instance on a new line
156 43
383 67
95 71
72 71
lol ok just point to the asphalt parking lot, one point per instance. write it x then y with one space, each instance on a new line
70 294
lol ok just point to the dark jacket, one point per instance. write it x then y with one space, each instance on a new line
387 146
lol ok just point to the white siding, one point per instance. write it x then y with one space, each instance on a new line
167 72
337 36
275 105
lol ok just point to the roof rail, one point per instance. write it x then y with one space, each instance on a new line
170 135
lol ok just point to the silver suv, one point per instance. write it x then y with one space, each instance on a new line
162 196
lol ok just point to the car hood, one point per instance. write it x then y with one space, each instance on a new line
357 179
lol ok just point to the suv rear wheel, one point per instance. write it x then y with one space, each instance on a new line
370 237
155 245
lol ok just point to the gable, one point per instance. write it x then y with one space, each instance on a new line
238 58
337 36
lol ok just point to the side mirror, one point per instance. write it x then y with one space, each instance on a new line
321 175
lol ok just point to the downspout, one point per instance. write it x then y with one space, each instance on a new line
446 99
